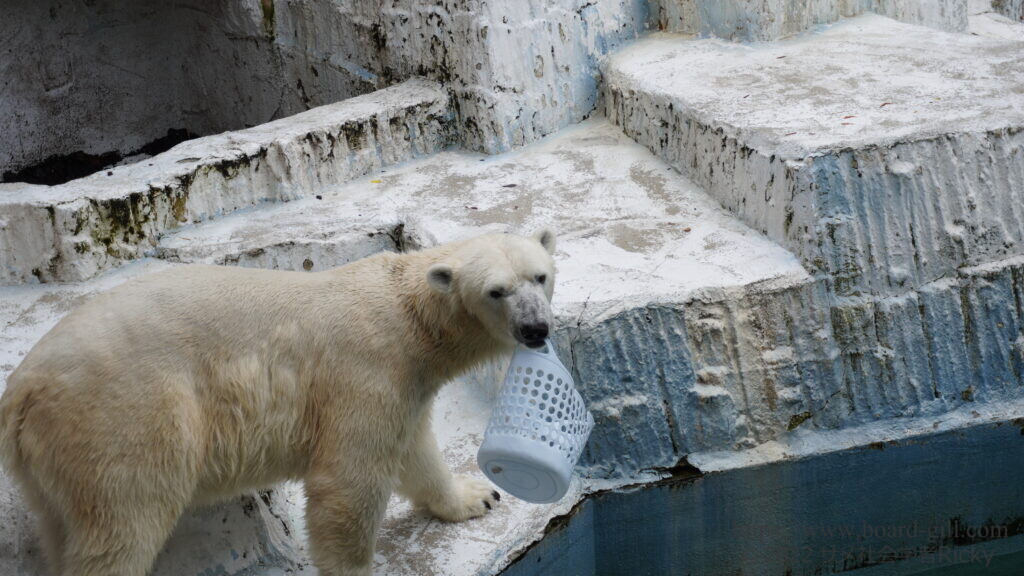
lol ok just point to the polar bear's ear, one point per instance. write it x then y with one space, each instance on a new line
440 277
546 237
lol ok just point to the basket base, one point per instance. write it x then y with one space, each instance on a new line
527 469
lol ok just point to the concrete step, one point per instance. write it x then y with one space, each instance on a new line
75 230
993 25
300 239
760 20
885 155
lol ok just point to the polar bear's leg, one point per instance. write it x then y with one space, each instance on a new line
117 526
118 476
49 525
122 547
426 480
52 536
345 504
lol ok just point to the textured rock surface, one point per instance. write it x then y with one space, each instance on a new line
114 75
72 231
763 20
898 188
517 70
885 172
742 370
1010 8
1002 20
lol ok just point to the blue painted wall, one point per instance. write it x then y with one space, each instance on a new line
934 498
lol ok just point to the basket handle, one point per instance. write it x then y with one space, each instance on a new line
549 350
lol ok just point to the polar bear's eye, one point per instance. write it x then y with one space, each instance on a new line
542 278
496 294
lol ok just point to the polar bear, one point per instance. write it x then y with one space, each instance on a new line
203 382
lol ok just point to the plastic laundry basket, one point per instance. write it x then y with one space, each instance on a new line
537 430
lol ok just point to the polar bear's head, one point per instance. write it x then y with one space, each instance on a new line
505 281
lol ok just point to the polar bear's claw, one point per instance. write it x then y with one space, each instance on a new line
470 498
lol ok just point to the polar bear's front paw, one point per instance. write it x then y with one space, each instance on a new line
470 497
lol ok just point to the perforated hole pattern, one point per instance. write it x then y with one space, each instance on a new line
541 405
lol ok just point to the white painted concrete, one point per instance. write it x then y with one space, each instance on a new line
631 230
883 154
767 20
996 22
997 26
867 81
113 75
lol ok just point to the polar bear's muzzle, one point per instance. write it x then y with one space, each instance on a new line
530 316
533 335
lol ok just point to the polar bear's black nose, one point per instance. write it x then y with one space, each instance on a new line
534 333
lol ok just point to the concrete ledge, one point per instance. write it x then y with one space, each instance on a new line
724 369
881 185
758 20
948 344
731 371
275 245
1001 20
72 231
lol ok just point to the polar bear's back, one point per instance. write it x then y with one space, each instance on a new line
204 358
168 314
196 311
